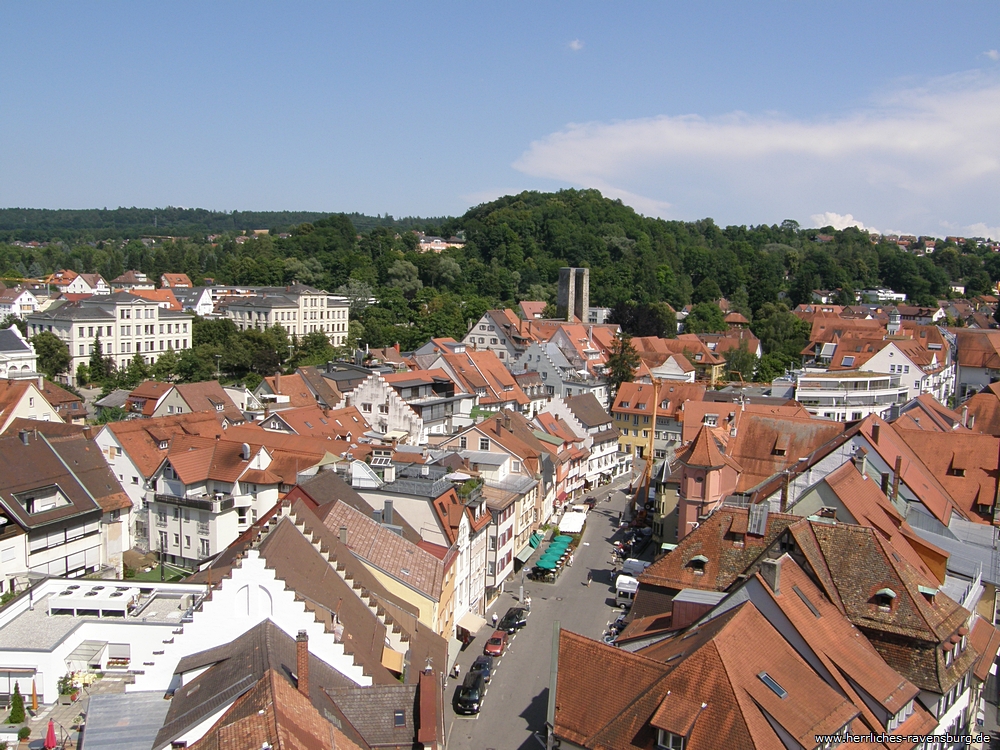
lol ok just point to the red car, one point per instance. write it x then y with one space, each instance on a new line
497 644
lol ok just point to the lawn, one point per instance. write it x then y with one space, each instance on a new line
170 574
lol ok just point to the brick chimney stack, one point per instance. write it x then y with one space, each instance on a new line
302 661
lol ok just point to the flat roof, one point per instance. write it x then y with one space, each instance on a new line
37 629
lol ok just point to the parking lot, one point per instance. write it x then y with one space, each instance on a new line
515 702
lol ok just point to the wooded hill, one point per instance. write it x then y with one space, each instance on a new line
515 247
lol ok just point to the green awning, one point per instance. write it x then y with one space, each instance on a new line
523 555
535 539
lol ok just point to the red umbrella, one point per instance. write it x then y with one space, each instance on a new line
50 737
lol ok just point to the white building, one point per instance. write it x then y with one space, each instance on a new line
849 395
17 302
126 325
17 355
299 309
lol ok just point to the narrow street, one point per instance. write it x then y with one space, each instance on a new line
516 701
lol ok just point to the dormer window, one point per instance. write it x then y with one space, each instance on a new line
904 713
623 405
928 593
711 420
883 599
163 445
669 741
697 564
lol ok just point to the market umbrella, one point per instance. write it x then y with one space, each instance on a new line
545 565
563 538
558 545
50 737
34 698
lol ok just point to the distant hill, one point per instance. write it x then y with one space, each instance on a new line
27 224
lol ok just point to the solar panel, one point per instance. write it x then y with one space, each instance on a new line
757 524
381 461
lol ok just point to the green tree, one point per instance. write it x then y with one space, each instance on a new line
622 361
705 317
774 365
165 365
112 414
16 703
707 291
136 372
98 364
194 367
405 276
82 374
53 355
779 330
741 360
12 320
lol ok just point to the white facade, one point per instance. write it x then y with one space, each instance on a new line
299 310
937 379
18 358
849 395
386 412
250 595
18 302
127 325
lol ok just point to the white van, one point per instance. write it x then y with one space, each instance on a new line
625 588
633 567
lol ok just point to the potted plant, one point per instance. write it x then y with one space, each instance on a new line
22 735
67 690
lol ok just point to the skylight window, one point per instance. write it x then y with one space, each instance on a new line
773 684
398 719
847 362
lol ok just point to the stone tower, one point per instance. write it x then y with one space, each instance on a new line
574 294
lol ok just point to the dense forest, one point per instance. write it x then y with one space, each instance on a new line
513 251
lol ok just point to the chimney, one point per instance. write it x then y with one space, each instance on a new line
41 382
343 535
387 511
770 571
885 483
895 479
499 425
23 434
875 431
972 421
245 451
277 382
302 661
861 462
965 416
785 482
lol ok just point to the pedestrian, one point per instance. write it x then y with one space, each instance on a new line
614 571
456 670
590 577
527 603
494 620
570 562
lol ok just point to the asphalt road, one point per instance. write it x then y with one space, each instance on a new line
516 701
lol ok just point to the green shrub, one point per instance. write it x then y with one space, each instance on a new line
16 706
23 733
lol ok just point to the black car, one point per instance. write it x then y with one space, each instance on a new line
483 665
470 696
514 620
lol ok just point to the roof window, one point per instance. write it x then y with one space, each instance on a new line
773 684
697 564
847 362
398 719
883 599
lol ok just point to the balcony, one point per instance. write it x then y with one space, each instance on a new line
205 502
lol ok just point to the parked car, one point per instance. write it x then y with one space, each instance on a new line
483 665
515 619
470 696
590 502
496 645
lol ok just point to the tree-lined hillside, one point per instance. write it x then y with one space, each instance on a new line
514 249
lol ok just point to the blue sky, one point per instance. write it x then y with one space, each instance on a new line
884 114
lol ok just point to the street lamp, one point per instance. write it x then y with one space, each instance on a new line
218 363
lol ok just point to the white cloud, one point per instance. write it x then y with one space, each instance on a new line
992 54
576 45
911 159
838 221
979 229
